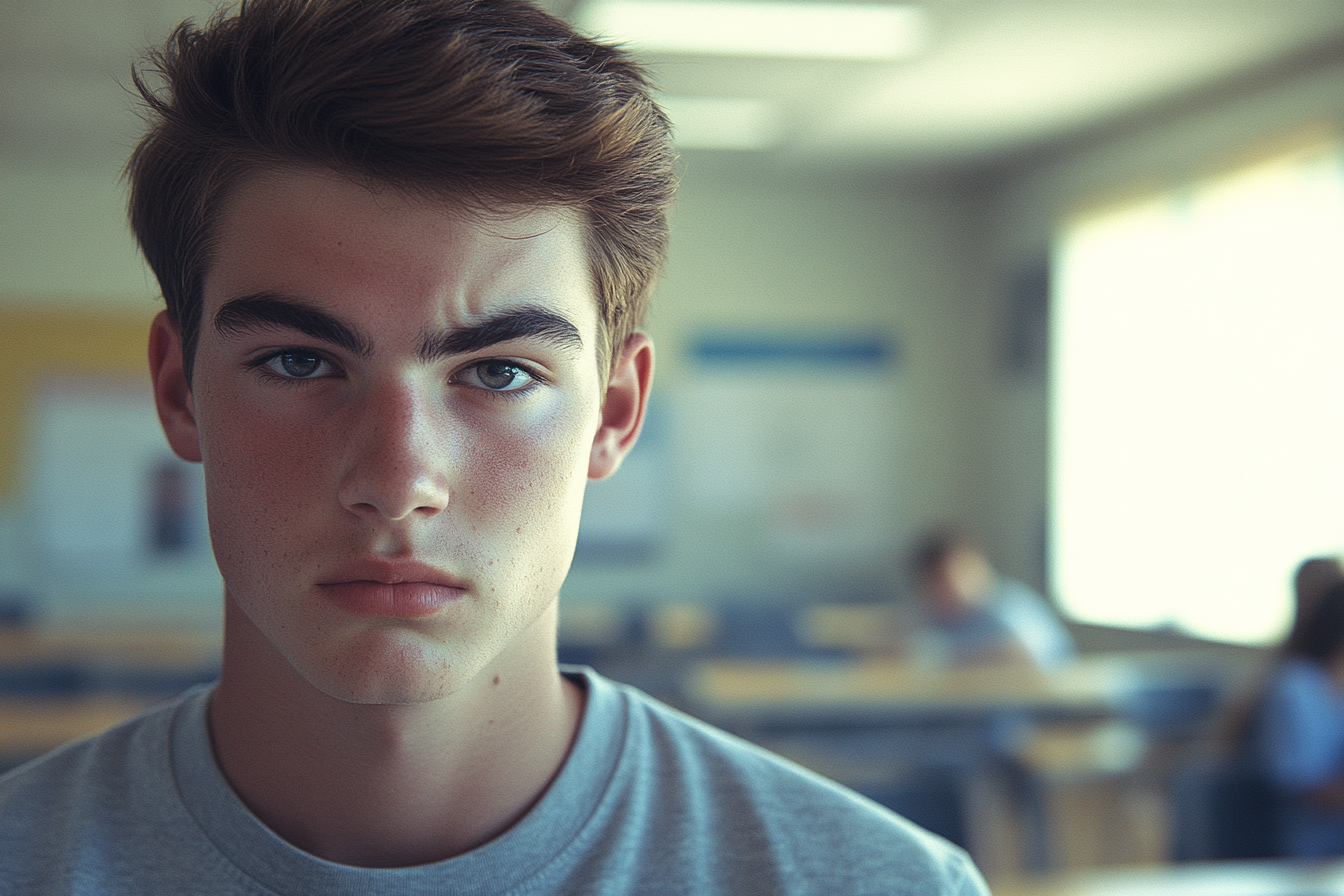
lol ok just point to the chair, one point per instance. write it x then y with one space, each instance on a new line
932 798
1224 809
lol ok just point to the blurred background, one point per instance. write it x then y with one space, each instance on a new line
1060 274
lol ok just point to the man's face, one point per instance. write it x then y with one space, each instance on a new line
396 403
959 584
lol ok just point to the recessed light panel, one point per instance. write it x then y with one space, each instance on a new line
861 31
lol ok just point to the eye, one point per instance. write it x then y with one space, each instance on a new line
498 376
297 365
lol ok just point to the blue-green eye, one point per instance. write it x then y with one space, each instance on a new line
297 365
499 376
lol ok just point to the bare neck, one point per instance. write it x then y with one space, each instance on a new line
391 785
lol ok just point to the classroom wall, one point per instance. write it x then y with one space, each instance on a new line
932 269
63 239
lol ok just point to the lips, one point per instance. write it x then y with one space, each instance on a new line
405 590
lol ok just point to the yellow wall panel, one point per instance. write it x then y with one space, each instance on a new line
37 345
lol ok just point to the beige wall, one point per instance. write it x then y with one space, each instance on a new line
64 241
927 266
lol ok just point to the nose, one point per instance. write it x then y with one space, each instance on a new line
396 464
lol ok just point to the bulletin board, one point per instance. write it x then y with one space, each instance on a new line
106 493
794 433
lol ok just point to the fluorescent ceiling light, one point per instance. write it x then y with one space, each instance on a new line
722 122
867 31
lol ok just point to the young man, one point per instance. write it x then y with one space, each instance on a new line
973 615
405 249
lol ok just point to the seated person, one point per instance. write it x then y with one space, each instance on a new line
971 614
1236 730
405 248
1301 730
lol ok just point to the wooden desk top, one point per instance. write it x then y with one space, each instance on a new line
31 726
745 688
146 649
1279 878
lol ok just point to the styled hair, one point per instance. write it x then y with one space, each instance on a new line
488 103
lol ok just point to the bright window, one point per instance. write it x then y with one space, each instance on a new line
1198 401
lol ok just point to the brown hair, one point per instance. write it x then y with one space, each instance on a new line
1322 633
485 102
934 548
1313 577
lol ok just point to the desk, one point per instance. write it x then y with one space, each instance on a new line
30 727
57 686
1216 879
142 649
746 692
144 661
1079 794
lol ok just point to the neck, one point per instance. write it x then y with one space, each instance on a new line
391 785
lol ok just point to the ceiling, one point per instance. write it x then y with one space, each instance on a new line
999 78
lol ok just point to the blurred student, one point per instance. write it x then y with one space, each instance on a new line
1301 729
971 614
1236 731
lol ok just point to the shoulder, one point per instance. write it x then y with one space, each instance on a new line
99 761
1298 681
1027 613
87 800
1301 710
1018 596
1298 675
754 815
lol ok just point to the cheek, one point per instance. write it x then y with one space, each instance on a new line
529 481
259 480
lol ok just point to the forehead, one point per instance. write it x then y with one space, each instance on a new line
321 236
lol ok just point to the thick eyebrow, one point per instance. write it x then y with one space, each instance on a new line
523 322
268 310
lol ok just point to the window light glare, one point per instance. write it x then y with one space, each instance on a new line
1195 448
766 29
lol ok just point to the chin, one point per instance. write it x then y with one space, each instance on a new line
383 689
389 671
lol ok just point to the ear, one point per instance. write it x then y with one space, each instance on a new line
623 406
172 393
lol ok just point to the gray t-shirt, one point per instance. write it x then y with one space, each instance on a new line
650 801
